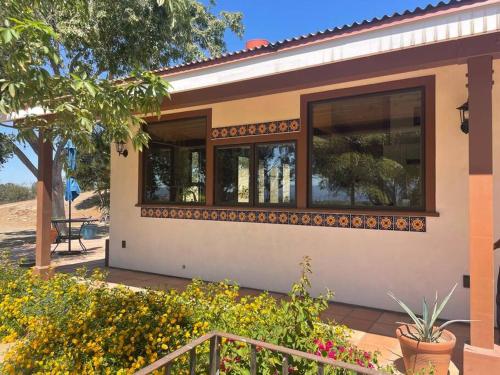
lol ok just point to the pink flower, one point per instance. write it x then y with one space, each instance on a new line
328 345
341 349
332 354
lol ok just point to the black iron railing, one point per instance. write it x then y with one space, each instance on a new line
215 338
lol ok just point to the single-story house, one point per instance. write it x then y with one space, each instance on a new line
374 148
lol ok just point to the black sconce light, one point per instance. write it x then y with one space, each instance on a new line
464 117
120 148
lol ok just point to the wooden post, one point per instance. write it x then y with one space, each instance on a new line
482 286
43 208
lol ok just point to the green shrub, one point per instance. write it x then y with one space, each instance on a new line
14 193
80 325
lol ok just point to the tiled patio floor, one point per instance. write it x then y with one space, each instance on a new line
373 329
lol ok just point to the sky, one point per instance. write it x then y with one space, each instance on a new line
272 20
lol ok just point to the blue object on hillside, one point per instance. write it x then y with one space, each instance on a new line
72 190
71 150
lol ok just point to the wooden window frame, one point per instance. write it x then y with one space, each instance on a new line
302 149
251 176
427 84
207 114
253 201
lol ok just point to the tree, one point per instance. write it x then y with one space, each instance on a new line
5 149
348 165
62 56
13 193
93 171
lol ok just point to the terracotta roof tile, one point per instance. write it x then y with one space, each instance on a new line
311 37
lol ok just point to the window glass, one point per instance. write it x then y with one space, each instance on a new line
275 174
232 175
174 163
366 151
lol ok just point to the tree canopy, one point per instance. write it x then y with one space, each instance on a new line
65 57
5 149
61 56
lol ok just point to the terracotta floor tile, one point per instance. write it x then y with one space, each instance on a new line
388 347
392 317
366 314
340 308
330 315
384 329
356 337
358 324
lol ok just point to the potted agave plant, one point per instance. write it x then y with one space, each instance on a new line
424 345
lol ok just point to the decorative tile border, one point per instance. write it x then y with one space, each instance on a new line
273 127
315 219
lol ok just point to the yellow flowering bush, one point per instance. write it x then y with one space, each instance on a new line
63 325
79 325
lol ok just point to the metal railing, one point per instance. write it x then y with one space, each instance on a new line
215 339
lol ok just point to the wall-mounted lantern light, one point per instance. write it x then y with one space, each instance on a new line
464 117
120 148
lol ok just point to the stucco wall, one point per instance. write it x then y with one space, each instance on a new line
359 265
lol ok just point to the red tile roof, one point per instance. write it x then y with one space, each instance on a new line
319 35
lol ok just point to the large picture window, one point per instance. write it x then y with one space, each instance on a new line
174 163
368 151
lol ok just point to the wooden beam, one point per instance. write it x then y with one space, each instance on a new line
481 202
43 208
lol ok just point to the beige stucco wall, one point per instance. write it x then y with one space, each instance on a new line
359 265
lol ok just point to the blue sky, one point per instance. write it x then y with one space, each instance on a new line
274 20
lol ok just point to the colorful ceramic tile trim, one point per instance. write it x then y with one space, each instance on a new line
273 127
315 219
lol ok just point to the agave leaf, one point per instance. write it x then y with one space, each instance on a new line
446 324
415 319
435 304
442 306
425 319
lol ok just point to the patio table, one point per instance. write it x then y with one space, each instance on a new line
83 221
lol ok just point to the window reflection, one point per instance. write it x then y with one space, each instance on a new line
174 164
275 173
367 151
232 175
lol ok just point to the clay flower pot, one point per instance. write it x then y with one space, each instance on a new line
420 356
53 235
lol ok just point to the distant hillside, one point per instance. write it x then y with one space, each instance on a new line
10 192
22 215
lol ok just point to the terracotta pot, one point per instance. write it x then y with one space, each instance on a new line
53 235
420 356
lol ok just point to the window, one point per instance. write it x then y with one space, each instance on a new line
276 174
232 175
174 163
269 181
368 151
